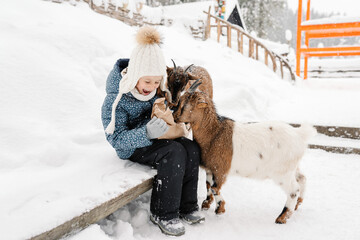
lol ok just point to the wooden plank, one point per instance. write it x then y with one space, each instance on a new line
251 48
229 36
333 149
238 40
81 222
266 58
337 131
242 44
284 62
218 30
272 57
208 26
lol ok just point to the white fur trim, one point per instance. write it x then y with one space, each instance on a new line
141 97
111 127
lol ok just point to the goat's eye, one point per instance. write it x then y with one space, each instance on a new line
175 108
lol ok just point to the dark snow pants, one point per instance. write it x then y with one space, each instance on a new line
175 185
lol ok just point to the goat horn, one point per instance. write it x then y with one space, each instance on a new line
166 104
174 65
168 96
195 86
188 68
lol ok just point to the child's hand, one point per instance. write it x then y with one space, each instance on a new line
156 128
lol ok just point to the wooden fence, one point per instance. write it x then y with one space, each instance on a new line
253 44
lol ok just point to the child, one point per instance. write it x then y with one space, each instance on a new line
131 92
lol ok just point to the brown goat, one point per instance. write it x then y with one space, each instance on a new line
260 150
204 121
180 79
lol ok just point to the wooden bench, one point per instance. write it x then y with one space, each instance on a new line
82 221
324 28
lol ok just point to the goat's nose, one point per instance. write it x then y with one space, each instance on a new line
176 119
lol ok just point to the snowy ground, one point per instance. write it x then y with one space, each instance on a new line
55 162
330 209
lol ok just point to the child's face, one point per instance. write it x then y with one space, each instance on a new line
147 84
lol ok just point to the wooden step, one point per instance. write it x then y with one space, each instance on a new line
335 149
336 131
79 223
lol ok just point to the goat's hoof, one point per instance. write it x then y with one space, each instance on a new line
299 202
280 220
221 208
205 205
284 216
219 212
204 208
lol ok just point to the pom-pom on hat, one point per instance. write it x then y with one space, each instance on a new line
146 59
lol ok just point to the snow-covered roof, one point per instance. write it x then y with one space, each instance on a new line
334 19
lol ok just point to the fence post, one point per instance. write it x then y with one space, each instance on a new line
242 43
251 48
208 27
266 57
229 36
218 30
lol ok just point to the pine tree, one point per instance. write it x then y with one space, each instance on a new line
263 16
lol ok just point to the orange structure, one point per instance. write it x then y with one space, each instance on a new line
324 28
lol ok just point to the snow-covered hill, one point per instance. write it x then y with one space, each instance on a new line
55 162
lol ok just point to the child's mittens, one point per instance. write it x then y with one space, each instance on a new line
156 127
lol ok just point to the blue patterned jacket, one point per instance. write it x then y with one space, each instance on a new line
132 115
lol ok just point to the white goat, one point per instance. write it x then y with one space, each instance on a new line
258 150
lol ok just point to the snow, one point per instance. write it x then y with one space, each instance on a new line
330 210
56 164
348 7
333 19
320 139
193 10
278 48
334 64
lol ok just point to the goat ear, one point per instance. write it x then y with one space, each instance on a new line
202 103
168 70
191 76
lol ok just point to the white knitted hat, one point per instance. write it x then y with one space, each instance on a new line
146 60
